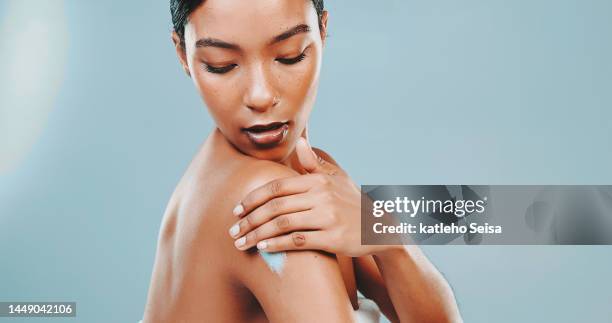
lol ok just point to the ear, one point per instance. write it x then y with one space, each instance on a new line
180 52
323 26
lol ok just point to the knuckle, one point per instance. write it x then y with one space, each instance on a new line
275 188
326 179
328 196
247 201
251 236
282 222
249 221
322 179
330 218
299 239
276 205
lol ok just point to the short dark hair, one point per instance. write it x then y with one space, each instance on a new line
181 9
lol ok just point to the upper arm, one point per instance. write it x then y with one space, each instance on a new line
372 285
308 286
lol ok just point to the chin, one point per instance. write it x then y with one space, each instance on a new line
275 154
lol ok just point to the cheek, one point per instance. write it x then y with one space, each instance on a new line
300 84
218 95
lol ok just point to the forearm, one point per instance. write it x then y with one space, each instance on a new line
417 290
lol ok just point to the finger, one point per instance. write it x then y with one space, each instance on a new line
312 162
270 210
298 221
308 158
300 240
276 188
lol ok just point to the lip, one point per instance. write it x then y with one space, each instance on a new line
267 135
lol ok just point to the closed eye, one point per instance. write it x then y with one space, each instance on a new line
219 70
292 60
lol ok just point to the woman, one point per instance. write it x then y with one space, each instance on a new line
256 183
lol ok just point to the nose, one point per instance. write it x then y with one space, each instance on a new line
260 94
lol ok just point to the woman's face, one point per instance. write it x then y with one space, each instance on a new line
256 65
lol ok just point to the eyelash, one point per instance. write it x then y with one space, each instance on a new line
219 70
293 60
226 69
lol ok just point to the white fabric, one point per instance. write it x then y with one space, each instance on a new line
368 311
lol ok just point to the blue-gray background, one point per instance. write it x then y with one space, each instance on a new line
99 122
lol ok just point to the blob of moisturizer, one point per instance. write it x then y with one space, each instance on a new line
274 260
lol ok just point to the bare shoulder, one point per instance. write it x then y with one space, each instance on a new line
202 206
195 253
207 197
201 253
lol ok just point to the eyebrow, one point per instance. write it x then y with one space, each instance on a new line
213 42
301 28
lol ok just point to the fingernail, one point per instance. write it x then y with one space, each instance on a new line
238 210
240 242
261 245
234 230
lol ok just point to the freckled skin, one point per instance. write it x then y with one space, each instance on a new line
199 276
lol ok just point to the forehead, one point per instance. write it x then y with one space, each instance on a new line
243 21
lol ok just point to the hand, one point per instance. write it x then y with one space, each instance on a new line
320 210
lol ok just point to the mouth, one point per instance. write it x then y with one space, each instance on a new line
267 135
